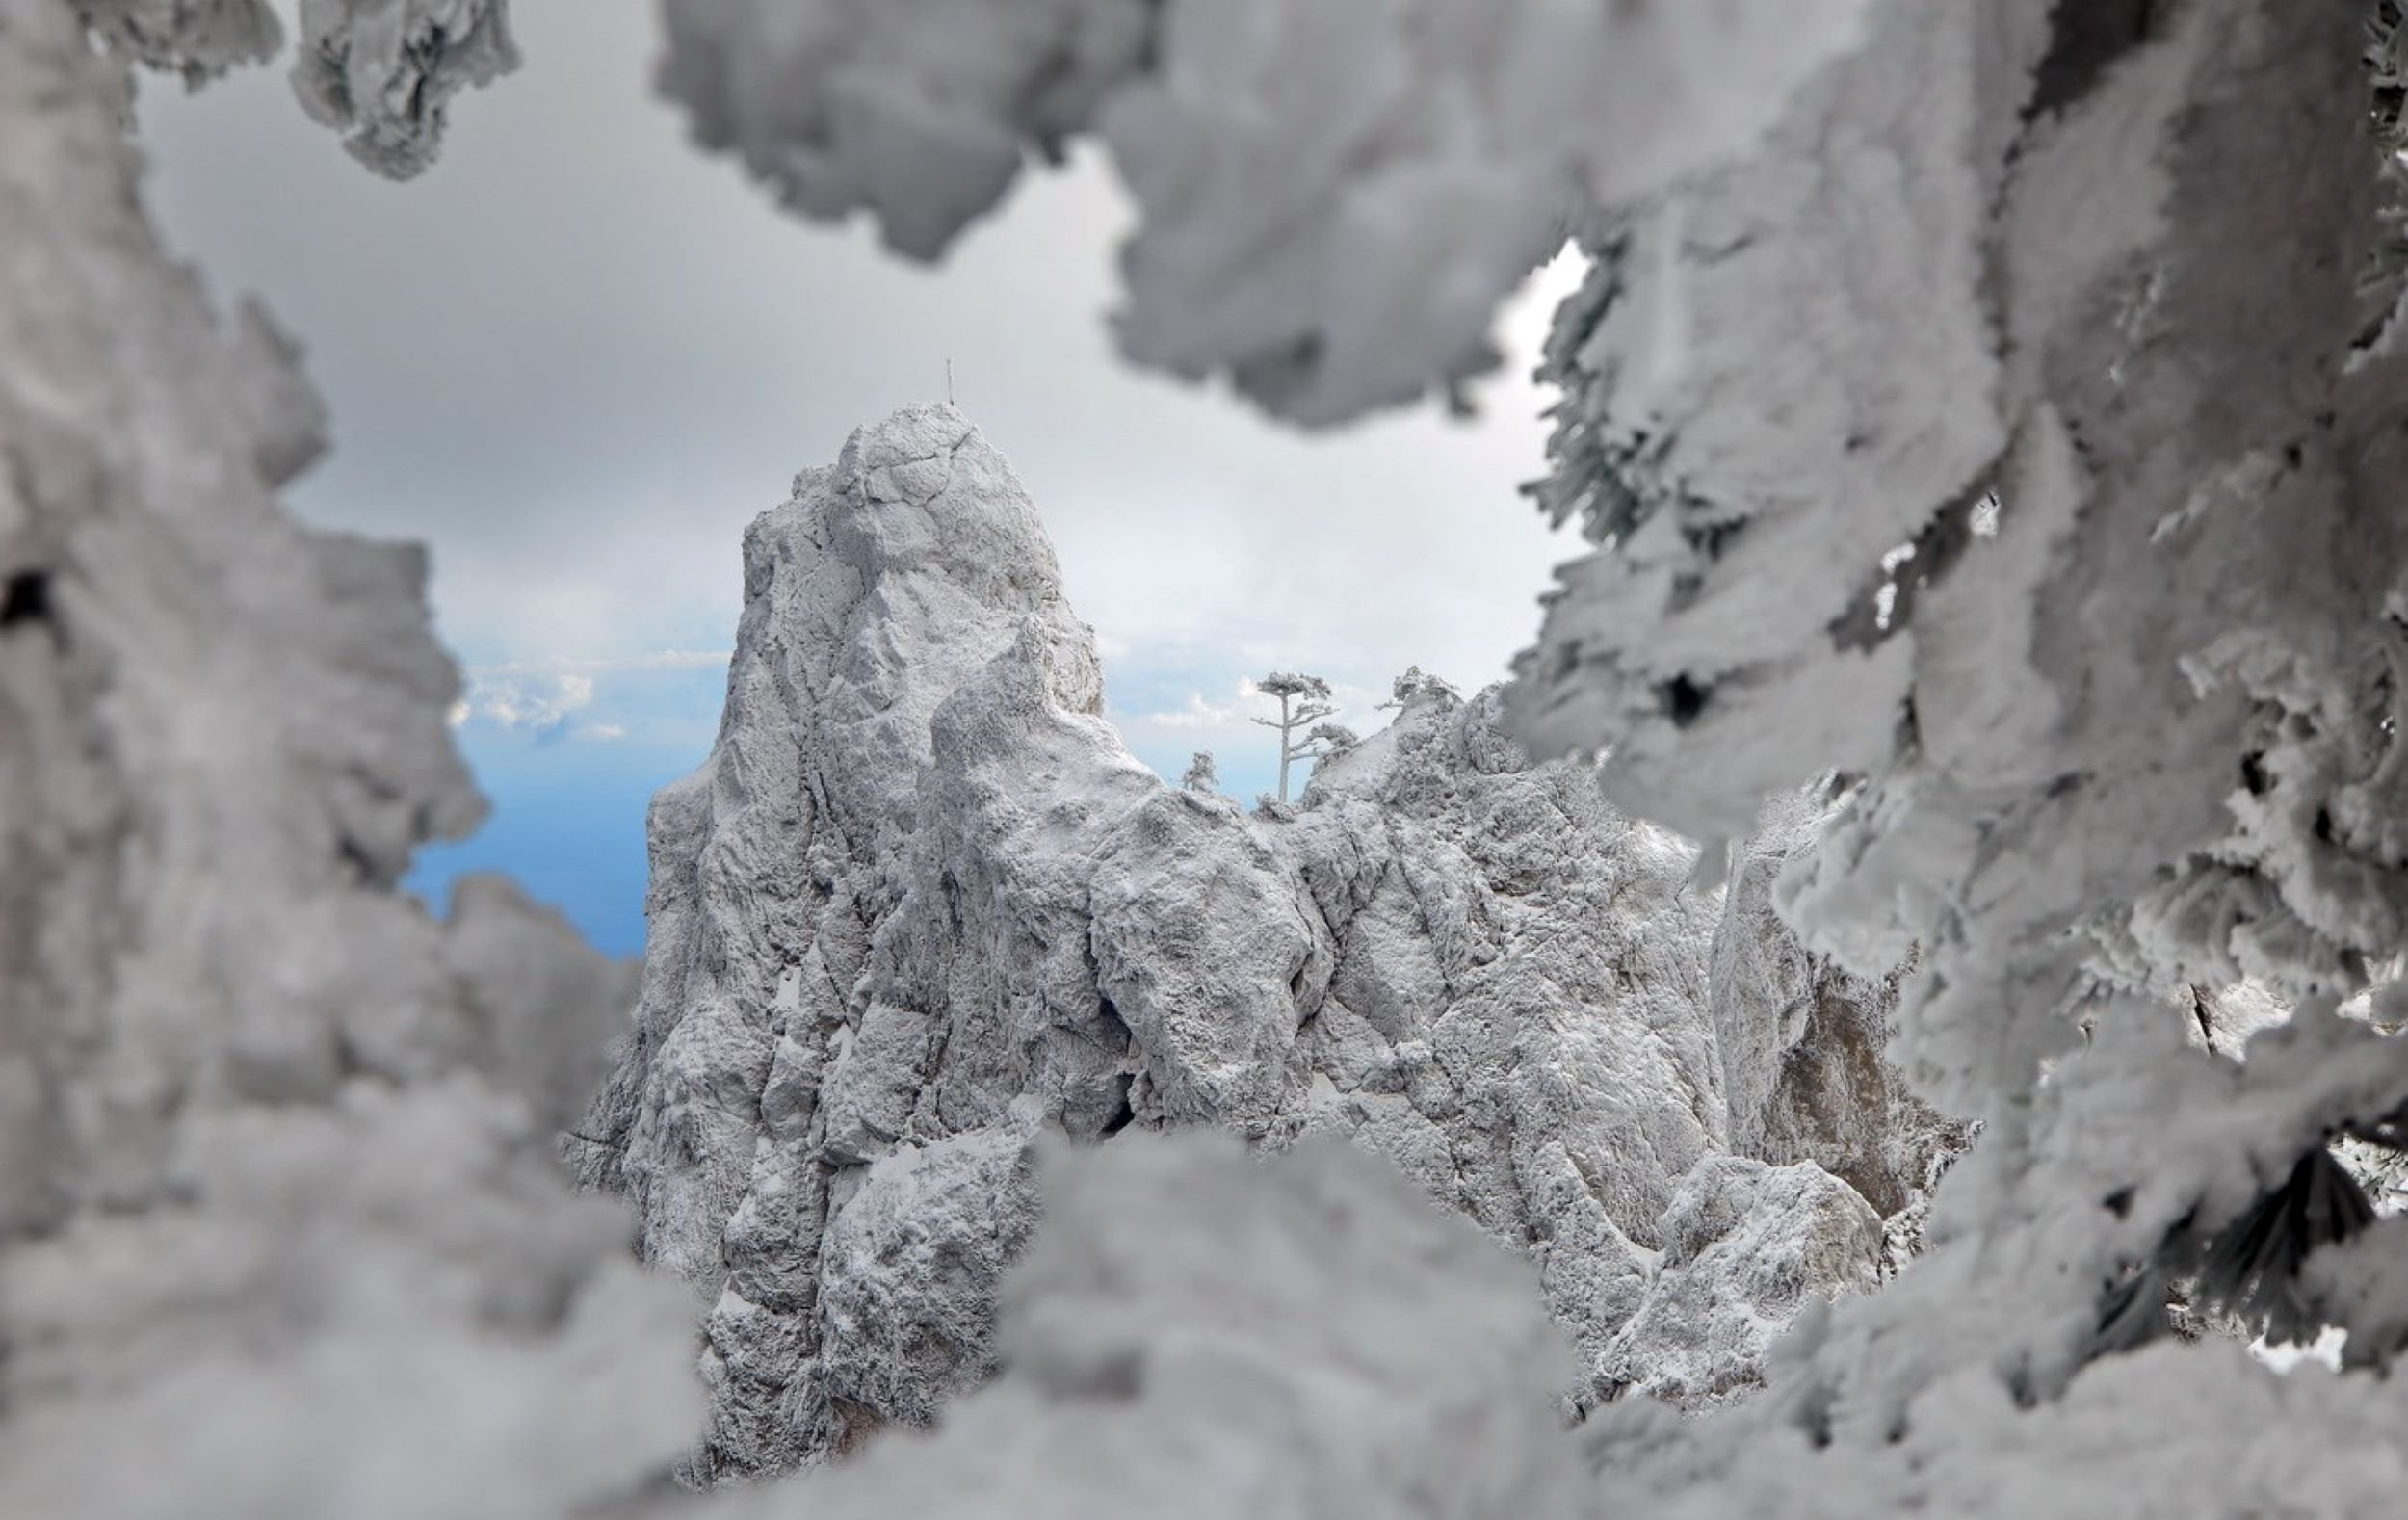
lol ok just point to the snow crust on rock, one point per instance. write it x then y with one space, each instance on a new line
281 1232
922 906
1198 1333
1747 1246
1802 1037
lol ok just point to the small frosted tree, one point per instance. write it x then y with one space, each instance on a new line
1303 700
1202 775
1327 741
1416 688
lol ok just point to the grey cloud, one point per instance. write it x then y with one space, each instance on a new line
579 356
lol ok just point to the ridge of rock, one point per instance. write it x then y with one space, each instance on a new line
921 906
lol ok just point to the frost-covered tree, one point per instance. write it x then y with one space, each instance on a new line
1202 775
277 1181
1327 741
1303 700
1416 688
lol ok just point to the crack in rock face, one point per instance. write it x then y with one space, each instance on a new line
922 908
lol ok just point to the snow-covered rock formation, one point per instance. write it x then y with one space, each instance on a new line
921 906
1746 1245
1802 1037
281 1232
1195 1336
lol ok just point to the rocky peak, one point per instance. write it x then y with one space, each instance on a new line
921 906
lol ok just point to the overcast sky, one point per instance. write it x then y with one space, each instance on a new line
578 357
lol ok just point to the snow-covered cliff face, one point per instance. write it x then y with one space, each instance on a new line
1193 1336
276 1202
1802 1037
922 906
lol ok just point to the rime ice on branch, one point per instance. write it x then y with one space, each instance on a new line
1303 699
383 72
1334 195
277 1183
